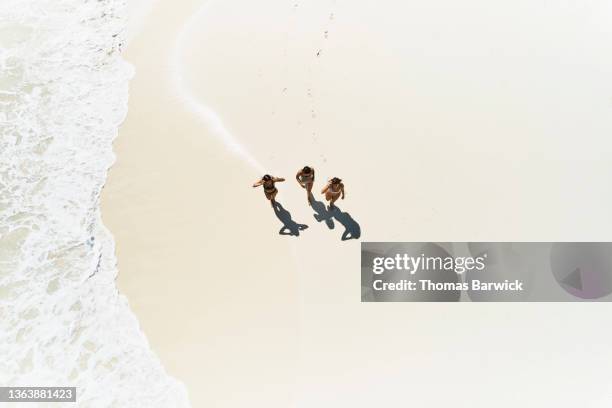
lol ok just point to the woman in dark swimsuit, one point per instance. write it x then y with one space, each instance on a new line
270 190
333 190
305 178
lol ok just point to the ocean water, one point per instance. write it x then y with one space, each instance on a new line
63 94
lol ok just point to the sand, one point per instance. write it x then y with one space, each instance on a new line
440 133
199 300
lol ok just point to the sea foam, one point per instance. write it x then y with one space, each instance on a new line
63 94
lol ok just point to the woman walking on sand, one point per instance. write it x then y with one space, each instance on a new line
333 189
270 190
305 178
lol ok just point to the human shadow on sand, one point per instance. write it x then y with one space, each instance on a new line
289 227
352 229
322 213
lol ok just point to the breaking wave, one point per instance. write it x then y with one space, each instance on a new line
63 94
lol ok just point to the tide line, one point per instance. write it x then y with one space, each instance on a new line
206 114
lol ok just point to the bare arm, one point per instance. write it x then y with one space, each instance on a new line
257 184
326 187
297 177
278 179
342 189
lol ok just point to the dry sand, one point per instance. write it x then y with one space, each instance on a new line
444 122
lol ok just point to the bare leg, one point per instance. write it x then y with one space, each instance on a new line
270 197
273 197
309 192
330 197
333 200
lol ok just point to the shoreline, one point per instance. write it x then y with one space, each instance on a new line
64 95
175 279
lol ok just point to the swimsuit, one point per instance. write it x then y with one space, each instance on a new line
306 178
269 189
334 192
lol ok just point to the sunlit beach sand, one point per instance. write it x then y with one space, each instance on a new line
437 131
